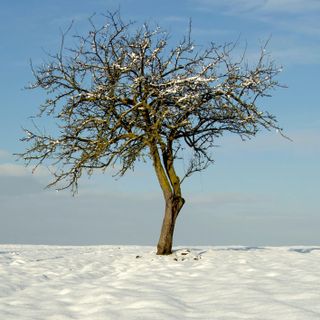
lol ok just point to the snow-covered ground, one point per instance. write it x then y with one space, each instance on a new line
128 282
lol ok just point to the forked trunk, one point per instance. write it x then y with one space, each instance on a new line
170 185
172 209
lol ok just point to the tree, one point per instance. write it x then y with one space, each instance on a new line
121 95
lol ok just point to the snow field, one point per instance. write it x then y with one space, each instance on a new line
131 282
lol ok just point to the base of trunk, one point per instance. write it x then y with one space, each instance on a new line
164 246
173 207
164 251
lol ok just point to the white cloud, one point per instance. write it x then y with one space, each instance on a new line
16 180
67 20
176 19
4 154
305 143
223 199
288 6
297 16
17 170
293 25
13 170
302 55
211 32
262 6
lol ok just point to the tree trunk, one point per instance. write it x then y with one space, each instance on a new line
172 209
171 188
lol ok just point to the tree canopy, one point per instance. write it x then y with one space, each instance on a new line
123 94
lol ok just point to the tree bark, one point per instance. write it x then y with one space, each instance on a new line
171 188
172 209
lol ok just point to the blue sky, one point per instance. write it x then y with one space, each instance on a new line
261 192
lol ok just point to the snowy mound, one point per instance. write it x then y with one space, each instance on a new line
128 282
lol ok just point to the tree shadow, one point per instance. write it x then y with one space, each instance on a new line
200 251
304 250
246 248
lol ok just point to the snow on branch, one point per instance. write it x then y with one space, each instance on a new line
122 91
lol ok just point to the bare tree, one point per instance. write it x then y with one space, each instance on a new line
121 95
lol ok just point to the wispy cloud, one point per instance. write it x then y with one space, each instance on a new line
223 199
304 143
4 154
262 6
17 170
16 180
13 170
172 18
285 6
67 20
297 16
292 54
17 186
293 24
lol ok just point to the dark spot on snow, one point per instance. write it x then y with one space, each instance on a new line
10 252
53 258
303 250
240 249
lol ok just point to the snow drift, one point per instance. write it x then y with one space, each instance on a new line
131 282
